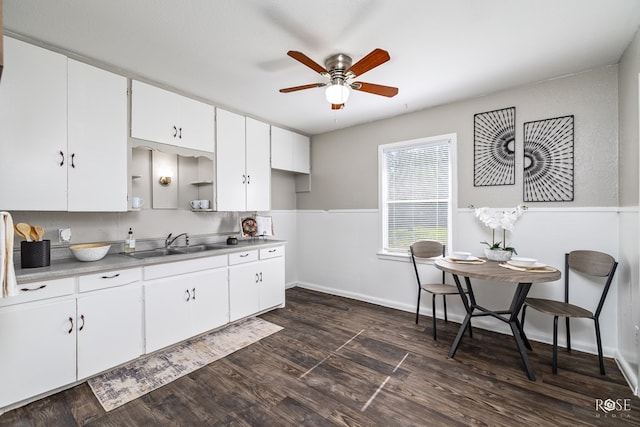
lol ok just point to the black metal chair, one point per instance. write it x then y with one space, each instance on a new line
592 263
429 249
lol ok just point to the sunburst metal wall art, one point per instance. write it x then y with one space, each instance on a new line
494 160
548 160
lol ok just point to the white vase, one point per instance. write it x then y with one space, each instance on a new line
497 255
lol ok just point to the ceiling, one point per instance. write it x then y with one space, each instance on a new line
233 52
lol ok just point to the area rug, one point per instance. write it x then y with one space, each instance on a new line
141 376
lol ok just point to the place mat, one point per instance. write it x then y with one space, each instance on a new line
462 261
126 383
545 269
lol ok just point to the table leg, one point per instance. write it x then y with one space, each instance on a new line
469 310
516 328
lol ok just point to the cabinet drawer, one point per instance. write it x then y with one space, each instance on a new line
41 290
181 267
241 257
108 279
271 252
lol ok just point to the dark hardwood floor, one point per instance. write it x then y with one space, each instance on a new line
345 362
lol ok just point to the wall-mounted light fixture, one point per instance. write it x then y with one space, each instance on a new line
165 180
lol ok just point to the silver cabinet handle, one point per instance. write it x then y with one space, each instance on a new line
244 255
188 295
61 158
111 277
71 321
73 155
81 318
272 250
193 291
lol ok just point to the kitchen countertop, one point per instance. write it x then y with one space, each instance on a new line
68 267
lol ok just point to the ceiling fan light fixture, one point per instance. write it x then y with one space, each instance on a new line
337 93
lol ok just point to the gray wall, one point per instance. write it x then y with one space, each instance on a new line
344 163
628 106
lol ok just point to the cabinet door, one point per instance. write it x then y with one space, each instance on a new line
258 167
33 128
230 161
281 148
166 312
209 299
153 113
197 123
109 329
301 155
271 282
244 294
38 342
97 140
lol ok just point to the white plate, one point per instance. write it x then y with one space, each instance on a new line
527 265
469 258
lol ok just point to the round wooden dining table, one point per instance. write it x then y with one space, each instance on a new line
492 271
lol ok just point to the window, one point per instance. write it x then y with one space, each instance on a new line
416 191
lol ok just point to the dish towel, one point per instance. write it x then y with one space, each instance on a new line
7 272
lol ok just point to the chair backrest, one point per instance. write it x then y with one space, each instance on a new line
592 263
425 249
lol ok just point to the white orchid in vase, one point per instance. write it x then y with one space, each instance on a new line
495 219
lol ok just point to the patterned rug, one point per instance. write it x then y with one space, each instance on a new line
128 382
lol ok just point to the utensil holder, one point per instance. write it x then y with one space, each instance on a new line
35 254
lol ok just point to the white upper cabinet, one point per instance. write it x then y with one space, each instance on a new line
33 128
162 116
243 175
258 168
290 151
97 139
63 128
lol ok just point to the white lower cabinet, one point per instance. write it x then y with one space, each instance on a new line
109 328
179 307
50 337
255 286
37 349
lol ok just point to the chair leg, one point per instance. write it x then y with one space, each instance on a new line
568 334
433 312
554 365
599 341
418 307
444 302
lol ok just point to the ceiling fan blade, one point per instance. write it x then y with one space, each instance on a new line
301 57
372 60
337 106
388 91
295 88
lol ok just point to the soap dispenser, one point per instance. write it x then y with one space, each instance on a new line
130 242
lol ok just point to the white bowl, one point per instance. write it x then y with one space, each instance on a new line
459 255
90 251
523 262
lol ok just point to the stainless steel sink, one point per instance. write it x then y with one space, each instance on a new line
150 253
191 249
160 252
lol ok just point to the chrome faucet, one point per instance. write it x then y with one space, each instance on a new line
169 241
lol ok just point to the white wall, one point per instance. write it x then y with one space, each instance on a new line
337 254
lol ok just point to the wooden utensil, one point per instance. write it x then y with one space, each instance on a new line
38 231
24 231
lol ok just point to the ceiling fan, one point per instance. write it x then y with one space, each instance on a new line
340 71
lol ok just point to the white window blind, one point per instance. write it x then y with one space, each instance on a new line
415 193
